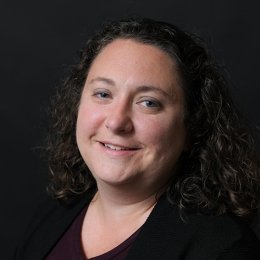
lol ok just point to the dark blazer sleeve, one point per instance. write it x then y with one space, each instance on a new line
241 250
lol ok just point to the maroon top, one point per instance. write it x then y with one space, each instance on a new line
70 245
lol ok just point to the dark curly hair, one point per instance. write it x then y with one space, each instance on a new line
219 172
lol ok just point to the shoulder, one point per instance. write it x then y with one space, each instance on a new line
222 237
166 235
48 224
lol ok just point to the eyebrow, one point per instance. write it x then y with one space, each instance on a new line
142 88
152 88
105 80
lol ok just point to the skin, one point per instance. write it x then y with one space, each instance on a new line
131 133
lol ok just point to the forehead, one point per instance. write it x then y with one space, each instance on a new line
127 59
126 47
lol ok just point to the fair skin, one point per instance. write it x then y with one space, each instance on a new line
131 133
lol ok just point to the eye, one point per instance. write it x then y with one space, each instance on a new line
149 103
101 94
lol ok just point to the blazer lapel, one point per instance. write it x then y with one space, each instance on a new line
160 237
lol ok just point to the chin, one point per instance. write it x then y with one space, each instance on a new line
115 179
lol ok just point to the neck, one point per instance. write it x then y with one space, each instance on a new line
117 211
121 204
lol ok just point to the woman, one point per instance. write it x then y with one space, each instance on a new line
147 154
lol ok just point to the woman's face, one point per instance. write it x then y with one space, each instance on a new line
130 126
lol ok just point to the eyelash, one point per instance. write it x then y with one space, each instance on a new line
101 94
147 103
151 103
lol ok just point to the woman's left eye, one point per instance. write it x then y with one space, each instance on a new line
150 103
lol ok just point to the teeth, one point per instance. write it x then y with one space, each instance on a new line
113 147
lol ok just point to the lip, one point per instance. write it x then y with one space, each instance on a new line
118 149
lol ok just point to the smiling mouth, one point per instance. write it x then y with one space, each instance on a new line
119 148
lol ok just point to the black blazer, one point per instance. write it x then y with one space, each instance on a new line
163 236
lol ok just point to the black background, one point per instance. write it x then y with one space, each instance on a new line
40 39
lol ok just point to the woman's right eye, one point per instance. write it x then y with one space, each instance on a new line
101 94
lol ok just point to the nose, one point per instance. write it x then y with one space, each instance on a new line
119 119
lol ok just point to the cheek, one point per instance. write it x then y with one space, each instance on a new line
89 119
161 131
